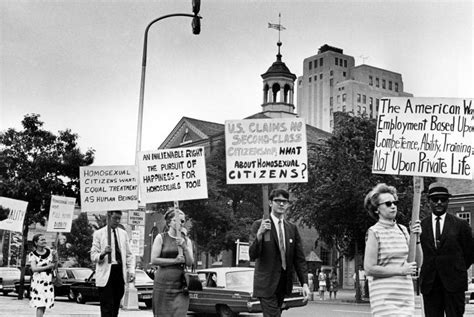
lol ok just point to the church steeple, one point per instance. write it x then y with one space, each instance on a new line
278 86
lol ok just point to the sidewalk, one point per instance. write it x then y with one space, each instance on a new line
347 296
11 306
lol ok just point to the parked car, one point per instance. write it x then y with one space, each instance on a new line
68 277
227 291
8 277
470 293
87 291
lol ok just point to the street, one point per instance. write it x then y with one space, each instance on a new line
10 306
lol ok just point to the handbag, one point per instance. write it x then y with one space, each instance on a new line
191 281
57 282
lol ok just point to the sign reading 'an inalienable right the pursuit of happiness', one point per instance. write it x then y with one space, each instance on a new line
425 137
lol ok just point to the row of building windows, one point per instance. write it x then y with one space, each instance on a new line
337 61
340 62
384 83
331 81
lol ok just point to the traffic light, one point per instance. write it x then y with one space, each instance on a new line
196 23
196 6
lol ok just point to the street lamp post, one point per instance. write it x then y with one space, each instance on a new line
196 29
131 297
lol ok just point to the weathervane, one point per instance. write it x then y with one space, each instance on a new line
278 26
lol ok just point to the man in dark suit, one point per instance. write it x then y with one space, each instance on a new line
447 245
277 259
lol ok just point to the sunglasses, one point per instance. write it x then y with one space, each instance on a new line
389 203
281 201
436 199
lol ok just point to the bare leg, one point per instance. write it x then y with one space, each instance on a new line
40 311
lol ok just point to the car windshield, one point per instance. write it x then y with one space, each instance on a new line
242 280
82 274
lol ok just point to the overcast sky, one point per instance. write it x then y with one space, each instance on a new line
77 63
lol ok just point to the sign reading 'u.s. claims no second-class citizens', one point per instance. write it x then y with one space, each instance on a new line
262 151
425 137
172 175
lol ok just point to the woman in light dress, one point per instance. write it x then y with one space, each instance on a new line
386 252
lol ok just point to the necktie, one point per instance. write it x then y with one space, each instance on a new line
438 231
282 245
118 254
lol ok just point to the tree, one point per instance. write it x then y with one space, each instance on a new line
79 241
35 164
340 175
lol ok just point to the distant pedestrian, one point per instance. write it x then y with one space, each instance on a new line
322 284
447 254
386 253
42 261
334 285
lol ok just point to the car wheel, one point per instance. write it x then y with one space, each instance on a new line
71 295
225 311
148 303
80 298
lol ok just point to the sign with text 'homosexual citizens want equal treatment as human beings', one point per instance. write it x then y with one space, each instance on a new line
172 175
263 151
109 188
431 137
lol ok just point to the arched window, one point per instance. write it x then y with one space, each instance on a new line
275 92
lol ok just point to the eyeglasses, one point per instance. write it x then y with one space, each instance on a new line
436 199
389 203
281 201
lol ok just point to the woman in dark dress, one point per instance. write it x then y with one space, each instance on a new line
171 251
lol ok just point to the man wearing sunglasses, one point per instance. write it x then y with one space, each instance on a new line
277 259
447 245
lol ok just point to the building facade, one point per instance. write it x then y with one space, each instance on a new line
332 82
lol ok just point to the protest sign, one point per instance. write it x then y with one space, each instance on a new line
262 151
425 137
16 214
136 218
108 188
135 242
61 213
172 175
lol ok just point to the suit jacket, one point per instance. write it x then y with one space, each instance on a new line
451 259
266 255
99 242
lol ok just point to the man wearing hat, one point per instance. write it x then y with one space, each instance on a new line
447 245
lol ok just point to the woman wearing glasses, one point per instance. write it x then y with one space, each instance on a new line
172 250
386 251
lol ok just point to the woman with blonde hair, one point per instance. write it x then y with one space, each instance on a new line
386 252
172 250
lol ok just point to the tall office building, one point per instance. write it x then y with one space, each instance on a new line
331 82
